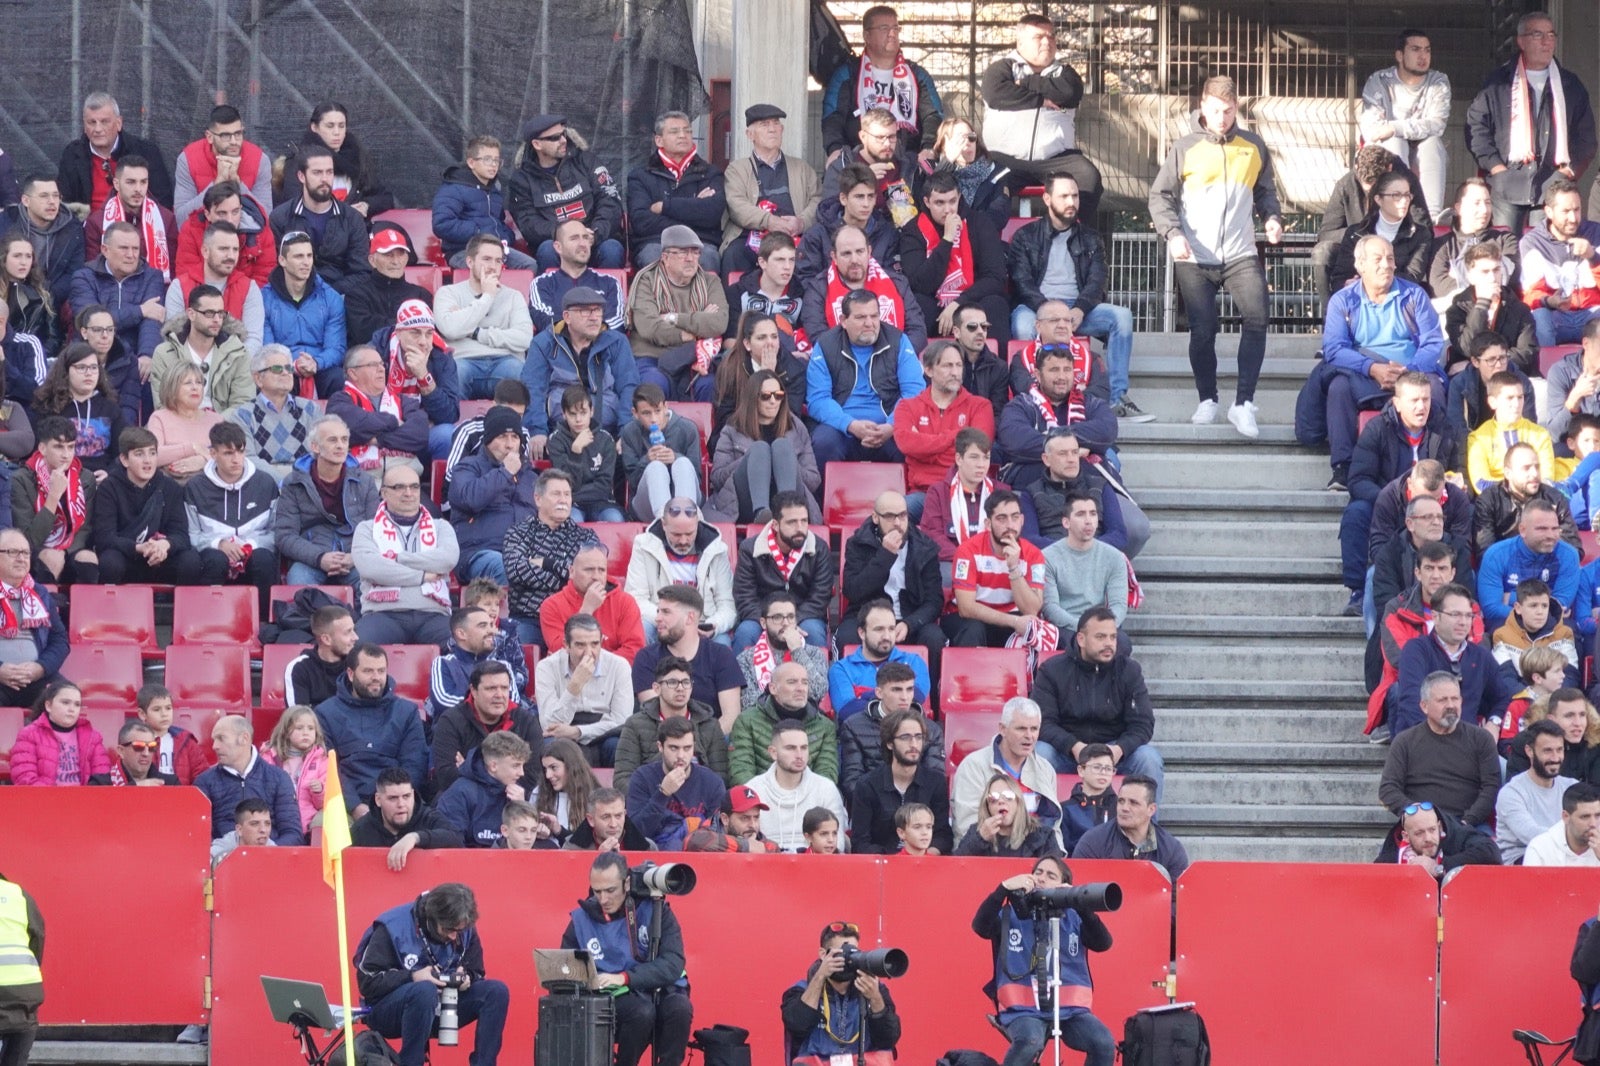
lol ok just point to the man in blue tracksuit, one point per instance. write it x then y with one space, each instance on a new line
1536 551
476 799
408 955
673 796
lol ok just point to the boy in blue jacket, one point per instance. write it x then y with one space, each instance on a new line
475 802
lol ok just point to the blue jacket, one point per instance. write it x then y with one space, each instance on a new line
443 405
485 501
1341 349
1382 452
95 285
668 820
551 366
315 325
1587 600
225 789
1508 562
462 209
853 681
474 802
451 672
1485 688
370 736
892 367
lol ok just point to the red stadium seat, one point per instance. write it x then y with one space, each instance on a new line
530 655
520 280
275 659
700 415
418 224
1590 542
217 614
910 649
427 275
966 733
850 489
114 614
1549 357
602 774
10 726
201 722
730 536
209 676
107 675
410 665
981 679
618 539
1011 227
1363 418
436 482
107 721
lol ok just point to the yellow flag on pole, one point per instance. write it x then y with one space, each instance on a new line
335 821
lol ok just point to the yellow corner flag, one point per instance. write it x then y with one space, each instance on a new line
335 838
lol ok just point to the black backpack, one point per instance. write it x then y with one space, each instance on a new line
371 1050
1165 1036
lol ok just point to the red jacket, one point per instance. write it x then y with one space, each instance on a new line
618 615
927 435
36 753
257 254
234 291
188 757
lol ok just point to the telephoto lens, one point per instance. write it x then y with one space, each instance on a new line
671 879
1100 896
879 962
449 1017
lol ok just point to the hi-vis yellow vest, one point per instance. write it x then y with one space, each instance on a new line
17 964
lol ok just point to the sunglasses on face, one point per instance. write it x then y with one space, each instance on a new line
680 511
144 745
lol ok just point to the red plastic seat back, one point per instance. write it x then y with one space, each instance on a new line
850 489
216 614
107 675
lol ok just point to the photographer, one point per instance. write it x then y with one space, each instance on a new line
839 1009
637 947
1019 931
413 952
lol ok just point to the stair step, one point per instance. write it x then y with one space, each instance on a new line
114 1052
1290 724
1368 819
1144 623
1244 505
1323 567
1350 694
1230 465
1166 355
1188 536
1184 432
1249 756
1349 787
1314 848
1263 664
1258 599
1172 402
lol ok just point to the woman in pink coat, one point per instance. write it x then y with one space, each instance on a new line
60 746
298 748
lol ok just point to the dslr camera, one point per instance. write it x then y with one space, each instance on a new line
880 962
449 1012
650 881
1099 896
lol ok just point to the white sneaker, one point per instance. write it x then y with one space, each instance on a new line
1243 417
1205 414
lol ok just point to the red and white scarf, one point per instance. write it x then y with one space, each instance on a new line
401 381
369 455
1524 146
151 229
894 90
785 561
677 169
959 278
764 662
890 307
71 511
753 241
958 508
390 541
21 608
1040 638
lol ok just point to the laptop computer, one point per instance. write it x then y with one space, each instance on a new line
562 968
295 1001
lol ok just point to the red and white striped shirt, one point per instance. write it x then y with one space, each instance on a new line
980 570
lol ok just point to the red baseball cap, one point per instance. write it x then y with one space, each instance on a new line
742 798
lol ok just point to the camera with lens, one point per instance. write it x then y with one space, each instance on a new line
449 1008
650 881
879 962
1100 896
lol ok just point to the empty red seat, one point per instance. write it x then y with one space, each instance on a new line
107 675
700 415
426 275
981 679
107 721
201 721
10 726
618 539
275 659
418 224
214 676
965 733
1590 542
114 614
530 656
850 489
1363 418
411 666
217 614
1011 227
1549 357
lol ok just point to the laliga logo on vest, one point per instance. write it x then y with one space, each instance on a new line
411 960
1015 938
594 949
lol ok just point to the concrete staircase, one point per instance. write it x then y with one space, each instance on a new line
1256 679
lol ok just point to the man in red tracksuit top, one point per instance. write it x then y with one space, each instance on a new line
925 425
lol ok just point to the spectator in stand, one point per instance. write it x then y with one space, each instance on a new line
298 748
119 284
538 551
1082 573
474 640
855 266
222 154
1497 511
1467 405
606 826
372 300
229 506
986 187
983 373
1093 695
851 392
60 747
1536 551
673 699
88 163
490 596
1059 400
678 312
670 797
490 705
1030 113
781 641
252 828
763 450
680 632
1487 445
1013 752
927 425
777 193
370 728
182 426
898 773
588 592
1396 558
737 830
581 351
588 454
1135 834
565 785
484 320
1436 840
56 235
50 494
1469 227
388 429
226 202
312 677
573 248
999 584
857 204
784 555
676 187
765 324
134 765
355 181
77 389
1575 840
241 297
139 529
206 339
1092 802
790 786
555 183
1573 384
491 775
1544 673
1491 307
1560 285
860 747
786 700
821 830
1426 478
1483 689
338 231
855 679
471 203
953 507
1529 803
1451 765
31 327
1525 154
1406 107
888 558
319 506
401 822
1005 828
1190 202
131 202
277 423
1121 523
241 772
31 629
1580 724
681 548
305 314
881 77
467 439
950 260
1406 617
895 172
1533 624
1388 216
404 556
490 493
660 452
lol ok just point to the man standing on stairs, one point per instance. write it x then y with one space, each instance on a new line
1443 762
1214 182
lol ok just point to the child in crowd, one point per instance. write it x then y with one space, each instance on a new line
1093 801
1487 446
589 455
1533 624
181 754
660 454
913 824
1579 476
1467 405
1543 670
60 747
475 802
519 827
821 831
298 748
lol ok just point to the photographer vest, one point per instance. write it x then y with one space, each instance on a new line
411 947
839 1032
610 943
17 964
1025 940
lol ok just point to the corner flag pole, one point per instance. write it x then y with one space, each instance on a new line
335 838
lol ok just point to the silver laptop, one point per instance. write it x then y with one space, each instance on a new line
562 966
293 1001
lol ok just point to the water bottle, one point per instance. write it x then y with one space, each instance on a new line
656 436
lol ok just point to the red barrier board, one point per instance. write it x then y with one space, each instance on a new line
1317 965
1508 935
115 880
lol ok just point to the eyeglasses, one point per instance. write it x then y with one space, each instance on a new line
227 135
364 366
983 327
142 746
1099 767
773 395
910 738
16 553
673 682
99 329
1539 35
91 365
680 511
408 487
215 313
787 616
1457 615
1413 808
892 516
277 368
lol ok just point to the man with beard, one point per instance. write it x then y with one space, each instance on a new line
1497 510
740 828
682 633
950 261
1530 802
131 202
1483 689
983 372
226 202
679 312
1452 766
1536 551
782 641
907 766
1575 840
401 822
219 268
1561 267
555 183
338 233
136 752
784 555
881 78
889 559
857 264
1122 524
896 688
370 728
1437 841
1058 401
859 371
573 246
1405 108
998 580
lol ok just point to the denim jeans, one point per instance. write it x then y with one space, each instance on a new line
481 373
301 574
1108 322
1245 282
610 514
408 1013
829 445
1560 327
483 564
1081 1032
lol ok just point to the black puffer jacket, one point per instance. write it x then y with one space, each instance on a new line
1095 703
540 199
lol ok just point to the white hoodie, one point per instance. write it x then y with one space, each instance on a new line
782 824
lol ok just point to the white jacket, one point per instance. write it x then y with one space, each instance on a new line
1426 115
647 575
1035 134
783 823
